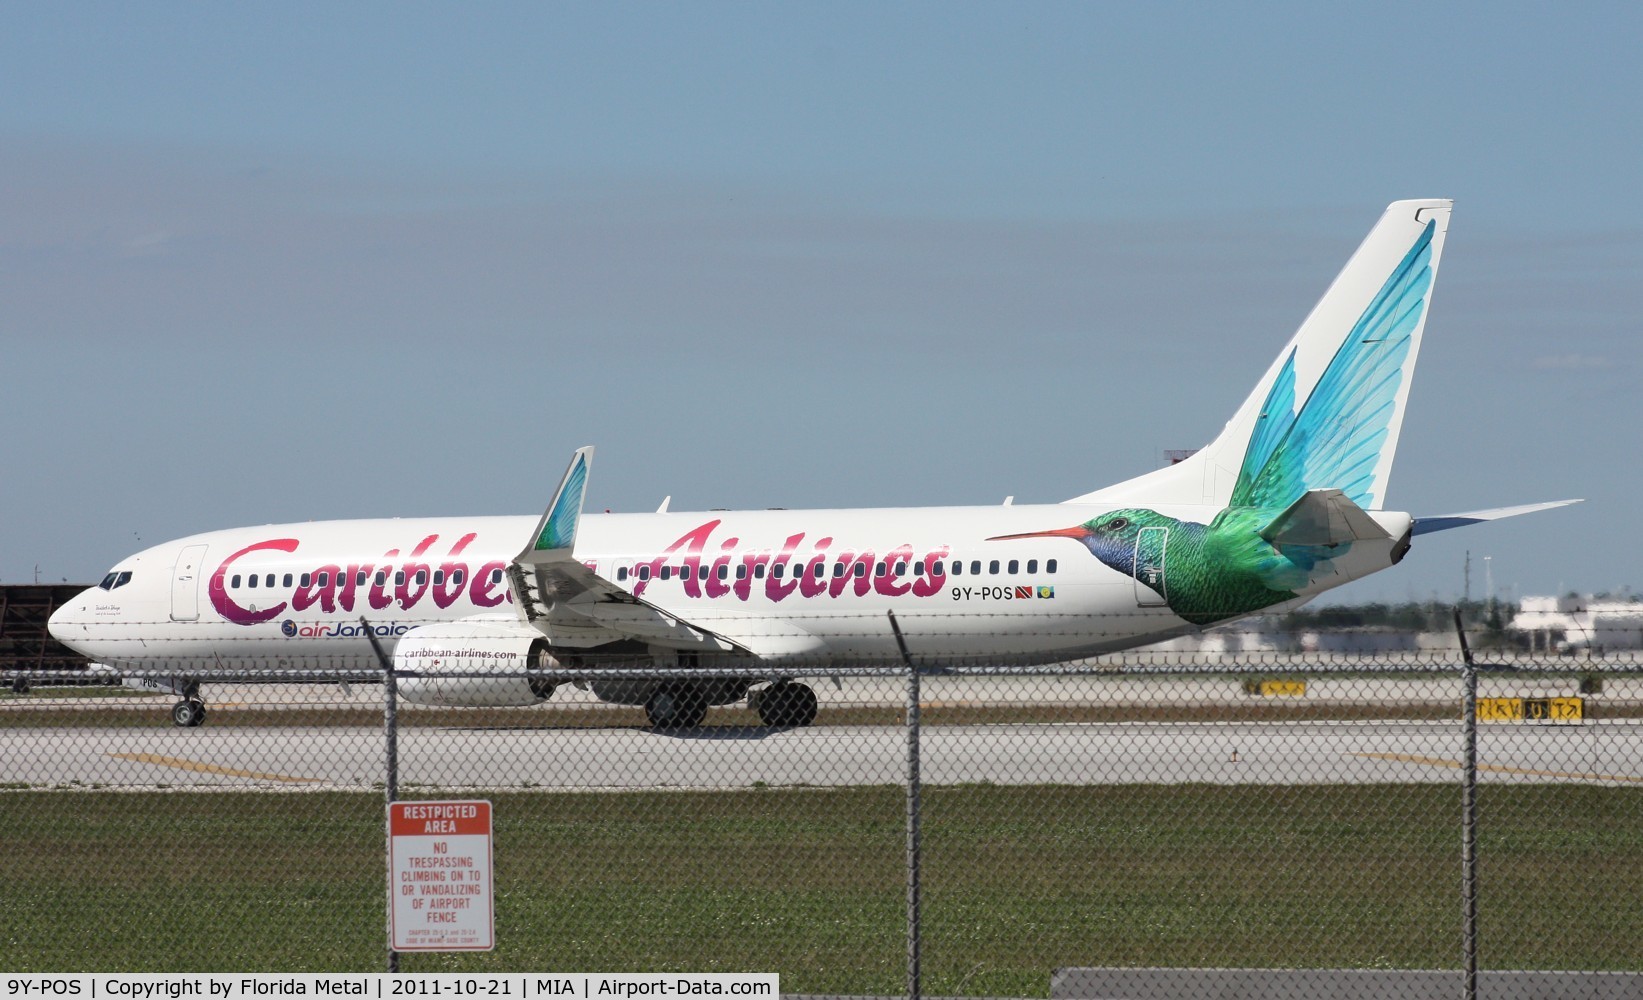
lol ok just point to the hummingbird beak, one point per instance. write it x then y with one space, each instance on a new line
1076 531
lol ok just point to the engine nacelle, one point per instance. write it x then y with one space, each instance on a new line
488 650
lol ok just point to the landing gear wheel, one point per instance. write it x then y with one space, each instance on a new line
187 713
786 705
676 706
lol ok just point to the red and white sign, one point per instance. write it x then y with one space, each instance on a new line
440 876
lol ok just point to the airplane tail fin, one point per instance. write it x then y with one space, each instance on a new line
1327 412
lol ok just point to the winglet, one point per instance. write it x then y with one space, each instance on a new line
557 529
1425 525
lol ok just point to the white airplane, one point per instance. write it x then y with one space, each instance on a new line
1283 505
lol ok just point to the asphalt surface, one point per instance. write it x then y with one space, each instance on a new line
290 758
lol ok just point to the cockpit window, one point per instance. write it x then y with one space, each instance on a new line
108 582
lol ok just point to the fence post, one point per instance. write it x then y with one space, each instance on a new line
915 941
390 740
1469 817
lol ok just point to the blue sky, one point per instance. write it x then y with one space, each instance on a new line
278 262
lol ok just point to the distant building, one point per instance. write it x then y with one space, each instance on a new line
1573 624
24 643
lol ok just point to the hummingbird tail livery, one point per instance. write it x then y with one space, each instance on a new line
1328 410
678 611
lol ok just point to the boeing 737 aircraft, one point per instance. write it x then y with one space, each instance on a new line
1286 503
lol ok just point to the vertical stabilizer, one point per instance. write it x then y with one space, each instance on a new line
1327 413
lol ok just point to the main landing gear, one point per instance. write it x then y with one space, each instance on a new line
781 705
787 705
676 706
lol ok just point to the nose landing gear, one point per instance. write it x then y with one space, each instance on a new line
188 713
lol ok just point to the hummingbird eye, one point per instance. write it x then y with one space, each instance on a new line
1118 524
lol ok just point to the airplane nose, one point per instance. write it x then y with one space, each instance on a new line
59 626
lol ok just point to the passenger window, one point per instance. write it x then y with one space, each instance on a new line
359 579
901 568
496 576
776 570
1015 566
1032 565
724 572
861 570
820 571
644 572
958 568
382 578
684 572
621 573
250 581
838 570
421 577
975 567
269 582
992 567
741 571
881 569
456 577
399 578
439 577
306 580
325 579
235 582
758 571
1049 567
667 572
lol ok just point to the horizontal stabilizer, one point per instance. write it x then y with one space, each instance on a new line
1424 525
1322 517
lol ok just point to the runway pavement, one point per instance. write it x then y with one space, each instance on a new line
460 759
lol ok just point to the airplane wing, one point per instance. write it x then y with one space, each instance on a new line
574 606
566 599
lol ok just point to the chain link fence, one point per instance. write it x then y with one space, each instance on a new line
957 830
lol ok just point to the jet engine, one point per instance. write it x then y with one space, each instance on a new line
474 664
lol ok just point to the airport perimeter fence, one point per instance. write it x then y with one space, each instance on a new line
957 830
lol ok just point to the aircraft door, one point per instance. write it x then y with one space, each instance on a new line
1151 586
185 584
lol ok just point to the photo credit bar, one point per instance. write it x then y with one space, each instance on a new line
388 986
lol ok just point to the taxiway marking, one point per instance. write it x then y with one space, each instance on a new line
1406 758
204 768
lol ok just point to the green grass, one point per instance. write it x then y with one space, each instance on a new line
809 883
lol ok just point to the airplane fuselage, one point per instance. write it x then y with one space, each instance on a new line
814 585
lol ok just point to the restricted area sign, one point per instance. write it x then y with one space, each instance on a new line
440 879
